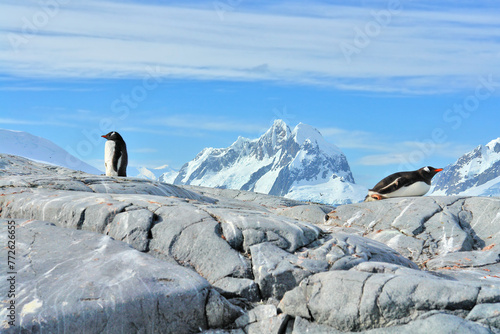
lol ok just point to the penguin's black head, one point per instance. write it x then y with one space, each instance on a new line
113 135
429 172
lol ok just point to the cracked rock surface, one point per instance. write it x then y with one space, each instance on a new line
130 255
71 281
426 228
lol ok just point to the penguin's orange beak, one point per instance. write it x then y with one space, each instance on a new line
439 170
103 136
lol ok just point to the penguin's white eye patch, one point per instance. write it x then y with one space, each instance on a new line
427 169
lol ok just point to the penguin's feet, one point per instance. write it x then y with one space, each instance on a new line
373 197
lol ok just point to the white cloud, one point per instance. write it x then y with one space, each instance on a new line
379 150
207 123
414 153
14 121
96 39
355 139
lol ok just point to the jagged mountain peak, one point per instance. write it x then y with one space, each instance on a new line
279 162
476 173
494 145
304 132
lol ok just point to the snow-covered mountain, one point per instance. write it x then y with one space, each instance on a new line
297 164
163 173
476 173
40 149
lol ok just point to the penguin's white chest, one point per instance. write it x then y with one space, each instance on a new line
415 189
109 152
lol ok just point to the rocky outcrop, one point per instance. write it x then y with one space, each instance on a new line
151 257
70 281
428 230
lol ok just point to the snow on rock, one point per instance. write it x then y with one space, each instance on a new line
298 164
476 173
41 150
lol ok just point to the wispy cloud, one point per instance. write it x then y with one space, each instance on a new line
14 121
450 50
377 150
207 123
355 139
414 153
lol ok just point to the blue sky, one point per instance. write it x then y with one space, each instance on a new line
395 84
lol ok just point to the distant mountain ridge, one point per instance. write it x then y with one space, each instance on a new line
163 173
298 164
476 173
40 149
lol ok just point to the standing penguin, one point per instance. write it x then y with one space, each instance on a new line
115 155
402 184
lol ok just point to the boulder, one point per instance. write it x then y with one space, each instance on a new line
261 226
424 228
277 271
67 280
362 298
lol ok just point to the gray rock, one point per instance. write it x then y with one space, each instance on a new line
25 173
253 237
484 223
302 326
370 300
343 251
422 229
259 313
132 227
244 287
274 325
263 319
441 323
464 260
193 237
244 198
287 233
487 314
201 246
431 323
295 303
68 280
220 312
312 213
224 331
276 271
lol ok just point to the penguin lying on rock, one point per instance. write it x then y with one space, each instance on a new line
115 155
403 184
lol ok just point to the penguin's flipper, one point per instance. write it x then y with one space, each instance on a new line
116 159
398 183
